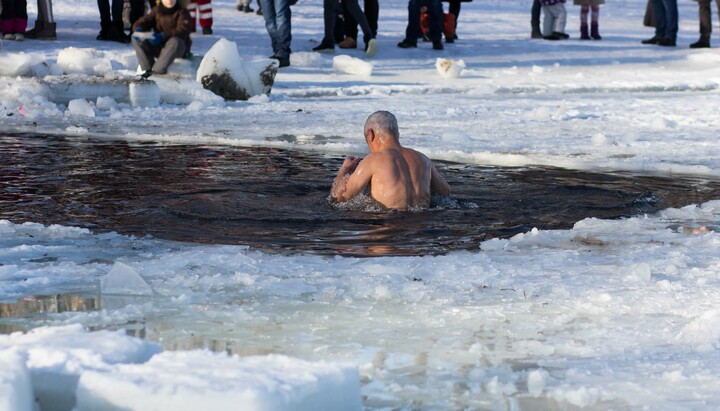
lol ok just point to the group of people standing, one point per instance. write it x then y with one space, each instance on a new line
556 19
663 15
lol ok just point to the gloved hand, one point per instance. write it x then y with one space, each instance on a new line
137 38
157 39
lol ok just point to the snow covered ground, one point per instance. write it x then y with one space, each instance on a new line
608 315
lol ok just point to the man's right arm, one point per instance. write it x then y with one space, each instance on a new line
353 176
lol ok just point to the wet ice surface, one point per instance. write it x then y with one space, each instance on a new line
276 200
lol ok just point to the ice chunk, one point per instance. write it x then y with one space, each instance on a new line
184 91
144 94
201 380
15 386
80 107
122 279
449 68
703 332
224 73
16 64
344 64
56 356
536 382
105 103
83 61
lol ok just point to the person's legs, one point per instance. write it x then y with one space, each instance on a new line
549 21
104 9
454 9
560 18
357 13
284 34
671 22
175 47
372 13
329 15
144 54
436 22
595 23
268 7
535 19
660 23
6 17
584 32
412 31
205 15
137 10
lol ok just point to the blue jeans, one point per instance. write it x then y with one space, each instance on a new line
277 22
666 18
435 10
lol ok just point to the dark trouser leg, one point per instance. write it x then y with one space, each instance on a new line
137 10
535 14
173 48
104 9
659 12
705 18
372 12
329 19
454 8
354 9
436 20
412 31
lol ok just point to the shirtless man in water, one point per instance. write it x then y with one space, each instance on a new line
399 178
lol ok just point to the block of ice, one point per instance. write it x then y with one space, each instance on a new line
201 380
344 64
80 107
144 94
17 64
449 68
83 61
57 356
223 72
15 387
122 279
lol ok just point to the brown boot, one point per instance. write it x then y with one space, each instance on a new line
43 30
348 43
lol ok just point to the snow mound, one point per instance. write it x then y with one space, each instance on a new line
223 72
17 64
449 69
15 386
197 380
344 64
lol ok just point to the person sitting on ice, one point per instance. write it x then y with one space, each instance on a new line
399 178
161 36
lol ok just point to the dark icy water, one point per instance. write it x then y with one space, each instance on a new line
276 200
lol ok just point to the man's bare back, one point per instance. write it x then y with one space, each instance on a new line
398 177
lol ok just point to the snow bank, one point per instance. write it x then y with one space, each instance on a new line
196 380
15 387
69 368
57 356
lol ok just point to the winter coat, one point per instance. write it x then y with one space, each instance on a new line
173 22
588 2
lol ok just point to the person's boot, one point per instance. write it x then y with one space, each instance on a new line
122 37
595 31
584 35
536 33
703 42
43 30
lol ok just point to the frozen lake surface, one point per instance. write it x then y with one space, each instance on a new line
580 267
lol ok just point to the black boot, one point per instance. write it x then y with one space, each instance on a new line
703 42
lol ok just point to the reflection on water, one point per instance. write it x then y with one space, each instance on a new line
276 200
